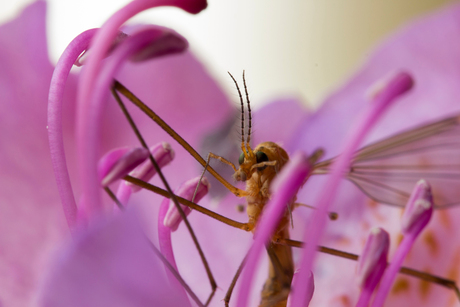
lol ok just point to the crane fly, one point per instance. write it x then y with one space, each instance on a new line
386 171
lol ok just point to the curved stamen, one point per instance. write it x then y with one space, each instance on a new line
416 216
186 190
372 263
119 162
163 154
56 141
89 123
87 119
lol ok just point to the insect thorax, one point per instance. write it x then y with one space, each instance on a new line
258 184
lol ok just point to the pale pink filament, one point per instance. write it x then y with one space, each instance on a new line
372 264
186 191
55 97
416 216
163 155
118 163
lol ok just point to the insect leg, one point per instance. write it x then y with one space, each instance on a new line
114 198
221 159
175 273
214 156
232 285
191 205
160 255
264 164
172 195
149 112
450 284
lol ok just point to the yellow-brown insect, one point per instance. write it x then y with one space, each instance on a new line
259 167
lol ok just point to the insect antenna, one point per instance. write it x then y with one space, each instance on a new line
242 115
249 111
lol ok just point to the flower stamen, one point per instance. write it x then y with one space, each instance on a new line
119 162
372 263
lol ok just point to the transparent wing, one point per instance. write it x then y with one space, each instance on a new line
387 170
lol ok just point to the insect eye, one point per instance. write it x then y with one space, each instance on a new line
241 159
261 157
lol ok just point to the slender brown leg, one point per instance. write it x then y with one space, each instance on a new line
160 255
114 198
188 203
214 156
232 285
171 194
407 271
175 273
149 112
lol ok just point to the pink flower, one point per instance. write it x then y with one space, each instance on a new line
179 89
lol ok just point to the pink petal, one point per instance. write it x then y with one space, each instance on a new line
31 218
111 264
